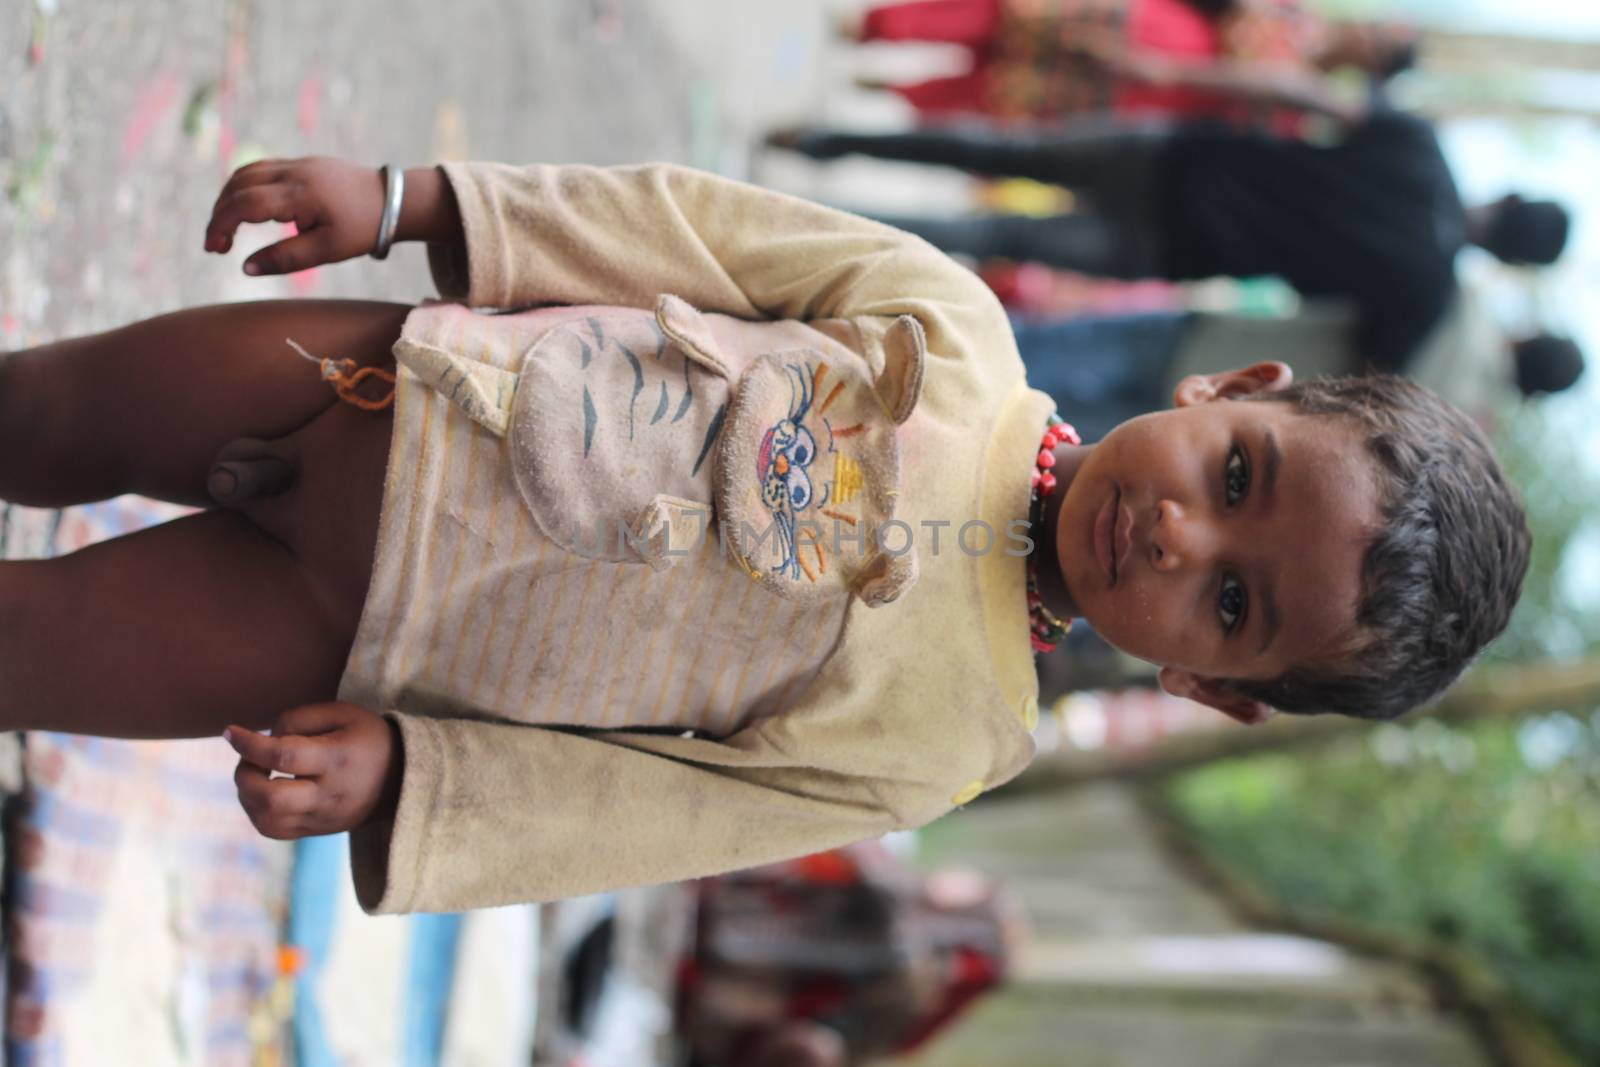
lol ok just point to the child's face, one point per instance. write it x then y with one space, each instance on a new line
1221 540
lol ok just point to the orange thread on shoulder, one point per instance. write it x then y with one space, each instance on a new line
850 431
346 378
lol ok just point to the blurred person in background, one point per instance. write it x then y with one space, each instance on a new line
840 958
1259 61
1373 219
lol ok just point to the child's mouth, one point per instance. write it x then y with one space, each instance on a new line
1105 531
1121 535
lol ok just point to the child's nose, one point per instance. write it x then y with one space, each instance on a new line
1180 539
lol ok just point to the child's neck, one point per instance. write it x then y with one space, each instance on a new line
1052 586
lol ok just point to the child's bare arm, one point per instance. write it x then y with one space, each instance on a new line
335 205
342 763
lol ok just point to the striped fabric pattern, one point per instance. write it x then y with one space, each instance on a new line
473 610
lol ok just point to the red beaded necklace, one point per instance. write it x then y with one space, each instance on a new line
1045 629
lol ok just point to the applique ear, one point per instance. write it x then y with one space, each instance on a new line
668 529
808 472
883 579
687 328
483 391
899 383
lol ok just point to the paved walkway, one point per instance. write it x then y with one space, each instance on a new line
1136 965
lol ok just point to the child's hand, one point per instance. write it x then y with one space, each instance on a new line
344 762
335 205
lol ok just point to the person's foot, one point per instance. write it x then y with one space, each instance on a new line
807 140
786 137
873 85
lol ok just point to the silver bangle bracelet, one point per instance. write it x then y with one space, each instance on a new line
394 191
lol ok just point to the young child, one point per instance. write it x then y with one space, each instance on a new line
519 664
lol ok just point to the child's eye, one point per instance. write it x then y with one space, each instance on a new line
1231 603
1235 477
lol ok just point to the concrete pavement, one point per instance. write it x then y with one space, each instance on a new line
1134 964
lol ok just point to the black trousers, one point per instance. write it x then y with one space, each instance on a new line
1117 166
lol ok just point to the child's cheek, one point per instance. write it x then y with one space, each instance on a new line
1129 621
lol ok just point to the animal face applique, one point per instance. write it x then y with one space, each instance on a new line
807 474
787 452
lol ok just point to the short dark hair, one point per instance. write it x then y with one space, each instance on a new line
1442 574
1526 232
1546 364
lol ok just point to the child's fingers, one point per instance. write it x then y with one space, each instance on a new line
304 757
300 252
273 202
299 756
253 174
311 719
258 173
278 807
252 746
263 795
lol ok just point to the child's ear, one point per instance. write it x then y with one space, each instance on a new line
1211 693
1268 377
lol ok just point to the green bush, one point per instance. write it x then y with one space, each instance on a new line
1487 838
